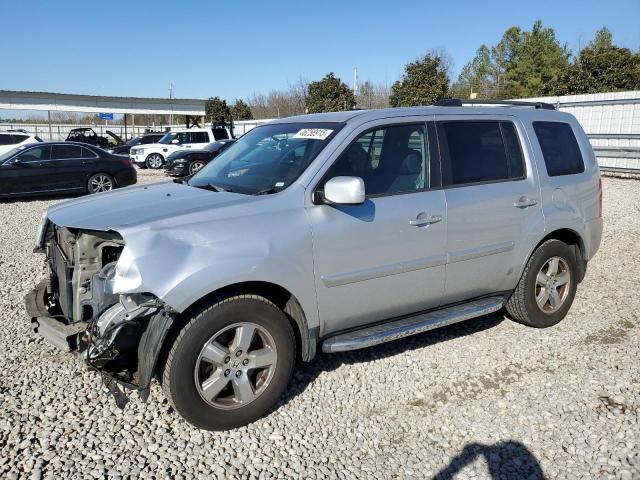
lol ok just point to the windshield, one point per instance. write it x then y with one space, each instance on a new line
134 141
268 158
167 138
10 153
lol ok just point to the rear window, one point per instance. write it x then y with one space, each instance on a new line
220 133
19 138
559 148
479 151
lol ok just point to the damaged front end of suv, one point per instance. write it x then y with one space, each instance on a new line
81 306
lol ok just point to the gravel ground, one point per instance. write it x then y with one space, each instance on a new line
484 399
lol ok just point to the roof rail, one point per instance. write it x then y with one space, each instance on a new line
456 102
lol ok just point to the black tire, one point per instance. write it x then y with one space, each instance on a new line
195 166
100 182
179 383
151 161
522 306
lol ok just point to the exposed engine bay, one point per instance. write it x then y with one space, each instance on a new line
76 309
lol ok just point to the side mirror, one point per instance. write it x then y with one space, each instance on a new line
16 161
344 191
175 141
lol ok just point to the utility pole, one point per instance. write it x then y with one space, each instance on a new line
170 98
355 81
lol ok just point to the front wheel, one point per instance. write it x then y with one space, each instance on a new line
195 166
547 287
100 182
155 161
231 363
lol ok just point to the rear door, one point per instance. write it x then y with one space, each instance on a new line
384 258
70 168
31 175
493 203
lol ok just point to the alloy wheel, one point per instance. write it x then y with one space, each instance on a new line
235 365
553 284
100 183
154 160
195 167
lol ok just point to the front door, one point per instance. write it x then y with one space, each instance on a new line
384 258
27 172
493 204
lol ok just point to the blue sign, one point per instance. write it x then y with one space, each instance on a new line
106 116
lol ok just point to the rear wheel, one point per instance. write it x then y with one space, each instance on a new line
547 287
231 363
155 161
100 182
195 166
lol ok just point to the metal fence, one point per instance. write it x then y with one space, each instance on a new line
612 122
59 132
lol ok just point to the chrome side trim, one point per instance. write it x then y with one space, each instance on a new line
386 332
462 255
338 279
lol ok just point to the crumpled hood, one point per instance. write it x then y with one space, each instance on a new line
139 205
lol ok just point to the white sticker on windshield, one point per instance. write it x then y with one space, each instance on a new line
313 133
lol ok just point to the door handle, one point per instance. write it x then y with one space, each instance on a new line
525 202
423 220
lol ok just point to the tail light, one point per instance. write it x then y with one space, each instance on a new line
127 162
600 199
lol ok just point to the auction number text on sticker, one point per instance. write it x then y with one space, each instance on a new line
313 133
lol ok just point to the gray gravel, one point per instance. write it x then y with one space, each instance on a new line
488 398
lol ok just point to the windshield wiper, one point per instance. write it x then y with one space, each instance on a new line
267 191
213 187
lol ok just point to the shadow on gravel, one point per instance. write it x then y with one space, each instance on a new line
306 373
41 198
505 460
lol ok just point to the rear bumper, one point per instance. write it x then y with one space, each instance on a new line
126 178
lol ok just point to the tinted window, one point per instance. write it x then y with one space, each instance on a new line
199 137
220 134
389 160
35 154
479 151
514 151
147 140
86 153
559 148
19 138
63 152
6 139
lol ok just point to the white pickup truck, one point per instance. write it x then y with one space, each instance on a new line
154 155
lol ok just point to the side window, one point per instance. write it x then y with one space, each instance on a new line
389 160
6 139
35 154
559 148
479 151
200 137
64 152
19 138
184 137
86 153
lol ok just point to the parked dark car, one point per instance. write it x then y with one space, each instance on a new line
145 139
188 162
89 136
62 167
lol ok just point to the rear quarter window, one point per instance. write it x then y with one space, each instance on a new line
559 147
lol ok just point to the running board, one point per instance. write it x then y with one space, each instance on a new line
404 327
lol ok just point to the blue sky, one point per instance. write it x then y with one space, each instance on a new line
232 49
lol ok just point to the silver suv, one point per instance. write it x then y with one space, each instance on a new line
336 231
